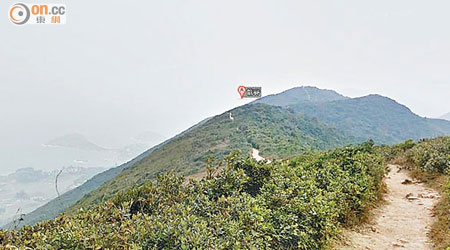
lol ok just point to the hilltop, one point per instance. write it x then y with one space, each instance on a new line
76 141
301 95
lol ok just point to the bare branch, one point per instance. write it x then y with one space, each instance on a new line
56 181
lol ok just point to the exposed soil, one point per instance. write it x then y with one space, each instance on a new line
255 155
402 222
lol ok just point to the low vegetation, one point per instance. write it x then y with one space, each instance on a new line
299 203
276 132
429 161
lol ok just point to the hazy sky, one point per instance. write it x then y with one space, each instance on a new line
119 68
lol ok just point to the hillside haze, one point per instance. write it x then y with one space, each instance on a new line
281 125
75 140
446 116
29 188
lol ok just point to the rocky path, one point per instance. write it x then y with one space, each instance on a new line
403 222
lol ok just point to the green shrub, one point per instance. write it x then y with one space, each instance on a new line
291 204
430 155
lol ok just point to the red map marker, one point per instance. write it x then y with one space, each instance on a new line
241 91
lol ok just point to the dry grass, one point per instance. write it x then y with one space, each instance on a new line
440 230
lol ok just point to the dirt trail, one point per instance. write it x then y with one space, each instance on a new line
403 222
255 155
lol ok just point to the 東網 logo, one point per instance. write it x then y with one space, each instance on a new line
35 13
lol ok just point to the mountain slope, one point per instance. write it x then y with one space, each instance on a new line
298 203
275 131
369 117
374 117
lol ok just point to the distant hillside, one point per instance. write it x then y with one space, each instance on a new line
375 117
370 117
57 206
29 188
446 117
276 132
305 94
77 141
